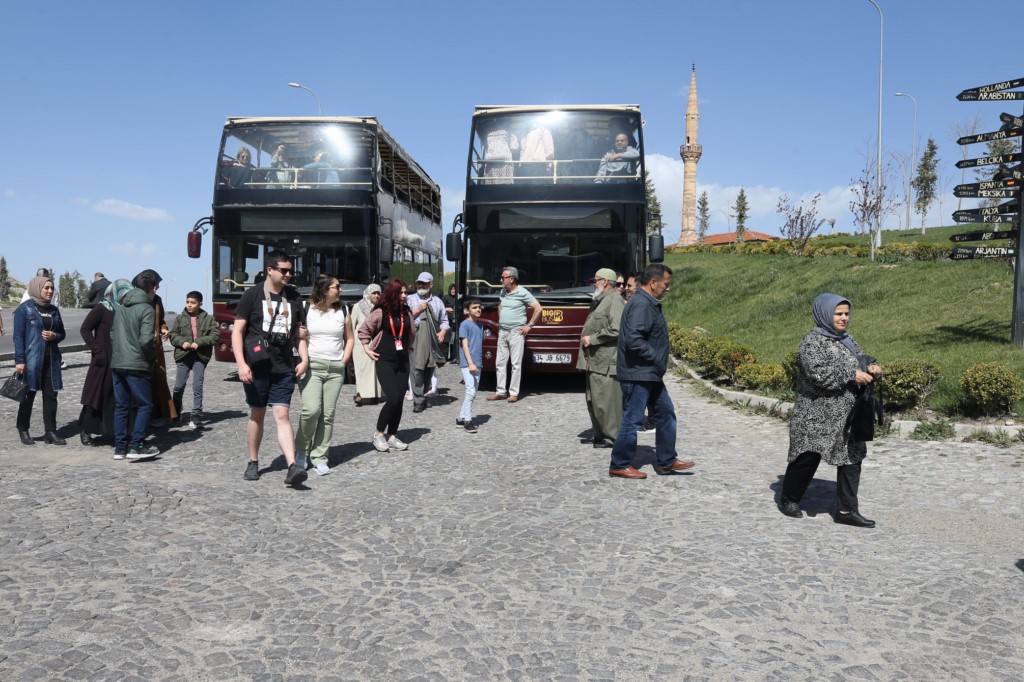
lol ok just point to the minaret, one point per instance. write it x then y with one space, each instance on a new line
690 152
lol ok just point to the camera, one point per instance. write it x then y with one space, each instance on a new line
278 339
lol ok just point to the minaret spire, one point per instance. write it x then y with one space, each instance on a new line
690 152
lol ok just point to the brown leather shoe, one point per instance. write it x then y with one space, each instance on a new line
628 472
513 399
498 396
678 465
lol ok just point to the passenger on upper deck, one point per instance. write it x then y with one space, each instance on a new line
620 161
500 147
538 149
326 173
280 178
239 173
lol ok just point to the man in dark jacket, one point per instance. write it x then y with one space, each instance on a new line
96 291
641 364
133 356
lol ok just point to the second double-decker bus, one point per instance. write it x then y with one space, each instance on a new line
558 193
337 194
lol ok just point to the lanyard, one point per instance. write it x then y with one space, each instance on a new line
401 327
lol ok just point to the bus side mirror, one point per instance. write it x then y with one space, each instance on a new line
656 248
453 247
195 244
387 250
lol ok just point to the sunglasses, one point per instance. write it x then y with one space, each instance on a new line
619 285
283 271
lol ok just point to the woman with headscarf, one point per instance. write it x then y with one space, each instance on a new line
38 329
832 371
163 401
367 386
97 415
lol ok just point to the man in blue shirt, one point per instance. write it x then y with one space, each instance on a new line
641 365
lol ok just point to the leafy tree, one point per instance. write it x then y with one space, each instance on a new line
926 179
83 293
70 288
703 216
654 221
802 221
741 210
5 280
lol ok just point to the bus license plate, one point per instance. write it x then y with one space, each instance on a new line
552 358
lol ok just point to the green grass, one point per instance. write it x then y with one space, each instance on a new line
955 314
933 235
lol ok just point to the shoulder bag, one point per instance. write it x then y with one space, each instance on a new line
14 388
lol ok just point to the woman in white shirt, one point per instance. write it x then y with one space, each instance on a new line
330 349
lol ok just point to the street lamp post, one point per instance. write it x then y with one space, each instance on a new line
319 108
913 158
878 168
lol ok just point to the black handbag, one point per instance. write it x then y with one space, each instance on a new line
860 424
14 388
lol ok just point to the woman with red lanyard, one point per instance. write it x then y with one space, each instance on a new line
387 334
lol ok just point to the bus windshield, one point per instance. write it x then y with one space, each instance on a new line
555 147
557 249
296 155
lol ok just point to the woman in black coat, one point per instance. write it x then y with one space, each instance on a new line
97 416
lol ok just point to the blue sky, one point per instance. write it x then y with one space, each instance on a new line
113 110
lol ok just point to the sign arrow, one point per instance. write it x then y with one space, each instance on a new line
987 137
972 96
983 236
1015 121
963 193
990 160
1015 173
1001 209
972 217
994 87
971 252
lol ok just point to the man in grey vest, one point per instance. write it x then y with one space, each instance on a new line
598 348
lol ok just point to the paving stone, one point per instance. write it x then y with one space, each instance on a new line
506 554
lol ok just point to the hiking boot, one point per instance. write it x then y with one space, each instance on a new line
295 475
252 471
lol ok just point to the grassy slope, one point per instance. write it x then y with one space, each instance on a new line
953 313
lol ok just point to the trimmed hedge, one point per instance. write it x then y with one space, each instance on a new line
991 388
907 383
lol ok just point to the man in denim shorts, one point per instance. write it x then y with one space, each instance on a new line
267 322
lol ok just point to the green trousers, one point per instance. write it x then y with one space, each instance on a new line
320 387
604 403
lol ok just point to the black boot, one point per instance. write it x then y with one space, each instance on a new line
25 438
52 438
86 438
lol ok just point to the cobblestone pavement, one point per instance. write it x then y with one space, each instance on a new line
508 554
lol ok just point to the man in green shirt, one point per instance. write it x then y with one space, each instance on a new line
512 330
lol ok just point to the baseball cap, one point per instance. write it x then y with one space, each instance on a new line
426 277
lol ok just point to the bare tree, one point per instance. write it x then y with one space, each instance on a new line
944 178
903 169
958 129
802 220
872 200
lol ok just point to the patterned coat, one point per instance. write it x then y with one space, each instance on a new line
825 391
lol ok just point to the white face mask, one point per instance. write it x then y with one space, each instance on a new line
423 292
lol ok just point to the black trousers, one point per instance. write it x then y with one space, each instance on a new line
393 376
49 401
801 470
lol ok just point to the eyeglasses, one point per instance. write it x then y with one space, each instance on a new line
335 286
619 285
283 271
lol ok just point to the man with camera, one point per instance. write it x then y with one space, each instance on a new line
267 322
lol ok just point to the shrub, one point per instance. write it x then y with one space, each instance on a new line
753 375
936 430
907 383
705 352
682 341
990 388
790 367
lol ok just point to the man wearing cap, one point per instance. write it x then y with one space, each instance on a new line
598 348
428 315
512 330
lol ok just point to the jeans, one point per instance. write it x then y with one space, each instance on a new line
472 382
510 347
636 397
319 387
126 387
198 368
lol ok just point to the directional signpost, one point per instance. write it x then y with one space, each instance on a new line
1005 184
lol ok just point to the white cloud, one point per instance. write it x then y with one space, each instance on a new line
9 194
124 209
131 250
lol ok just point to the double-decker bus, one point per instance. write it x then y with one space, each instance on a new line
558 193
337 194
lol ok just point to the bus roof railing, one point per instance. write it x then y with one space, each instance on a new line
509 108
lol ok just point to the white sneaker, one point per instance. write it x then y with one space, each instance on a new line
322 469
408 395
396 444
380 443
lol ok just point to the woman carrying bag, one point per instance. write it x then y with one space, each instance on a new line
38 329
